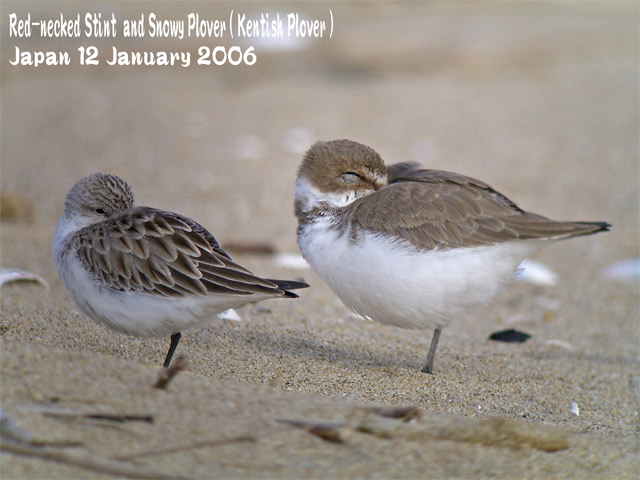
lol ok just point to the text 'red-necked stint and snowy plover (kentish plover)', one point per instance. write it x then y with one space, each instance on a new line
407 246
147 272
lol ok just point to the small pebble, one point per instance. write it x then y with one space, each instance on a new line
510 336
536 273
9 275
627 269
230 314
575 409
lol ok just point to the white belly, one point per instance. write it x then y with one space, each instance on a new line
394 283
139 314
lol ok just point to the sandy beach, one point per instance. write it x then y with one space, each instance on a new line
538 100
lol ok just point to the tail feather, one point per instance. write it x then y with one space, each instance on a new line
530 227
287 285
589 228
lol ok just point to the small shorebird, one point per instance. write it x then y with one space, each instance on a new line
407 246
147 272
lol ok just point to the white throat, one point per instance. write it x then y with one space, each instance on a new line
67 226
308 197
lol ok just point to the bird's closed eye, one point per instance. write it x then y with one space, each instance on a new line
351 177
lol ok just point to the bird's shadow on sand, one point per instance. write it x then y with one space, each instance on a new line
376 354
308 345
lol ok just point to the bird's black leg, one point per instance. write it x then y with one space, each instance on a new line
175 338
428 368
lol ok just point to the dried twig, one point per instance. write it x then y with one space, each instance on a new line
166 374
88 400
178 448
105 417
11 432
331 432
95 419
119 469
405 414
120 418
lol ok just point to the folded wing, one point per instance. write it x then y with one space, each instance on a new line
437 209
165 254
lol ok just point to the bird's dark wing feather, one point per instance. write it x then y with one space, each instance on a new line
166 254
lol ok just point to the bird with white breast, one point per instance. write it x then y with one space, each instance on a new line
412 247
147 272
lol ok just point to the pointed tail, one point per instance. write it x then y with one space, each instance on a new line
287 285
589 228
